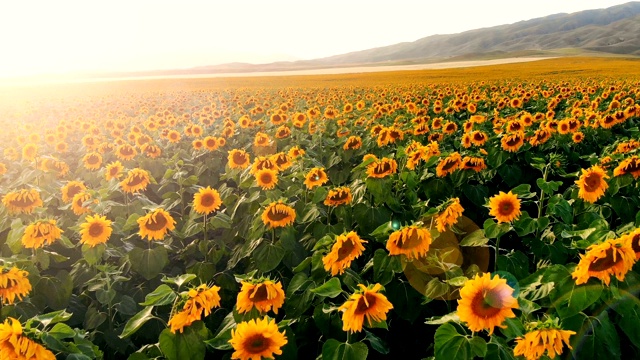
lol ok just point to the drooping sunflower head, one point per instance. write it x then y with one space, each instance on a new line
505 207
70 189
264 295
353 143
283 132
339 196
544 336
633 238
281 160
80 203
366 303
113 170
412 241
612 257
486 302
156 224
261 139
14 344
126 152
278 214
14 284
315 177
257 339
263 162
198 301
592 184
512 142
450 215
347 247
152 151
95 230
136 180
22 201
39 233
476 164
238 159
206 200
295 152
92 161
267 179
629 165
449 164
382 168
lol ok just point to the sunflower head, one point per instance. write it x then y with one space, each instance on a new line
263 294
267 179
612 257
449 164
136 180
505 207
39 233
14 284
156 224
450 215
367 303
411 241
592 184
257 339
95 230
206 201
198 301
347 247
22 201
486 302
278 214
70 189
339 196
382 168
315 177
238 159
14 344
542 337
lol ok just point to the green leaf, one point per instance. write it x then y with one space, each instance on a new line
223 334
516 263
268 256
179 280
52 317
492 229
377 344
335 350
525 225
599 340
498 349
162 295
14 237
629 312
548 187
137 321
449 344
478 346
93 254
571 299
435 288
331 288
438 320
476 238
149 262
55 290
61 331
385 266
188 345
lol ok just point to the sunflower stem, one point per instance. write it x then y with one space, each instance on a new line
495 264
205 228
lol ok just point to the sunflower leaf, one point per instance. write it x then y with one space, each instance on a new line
188 345
335 350
331 288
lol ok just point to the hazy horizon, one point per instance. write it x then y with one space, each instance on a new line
73 36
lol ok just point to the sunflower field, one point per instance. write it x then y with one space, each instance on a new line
488 212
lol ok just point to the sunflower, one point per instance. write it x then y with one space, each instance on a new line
449 164
211 143
264 295
592 184
577 137
382 168
16 345
263 162
22 201
315 177
295 152
3 169
540 137
352 143
14 283
261 139
485 302
450 215
126 152
136 180
504 207
40 232
238 159
346 248
95 230
70 189
173 136
535 342
78 203
62 147
339 196
206 200
113 170
152 151
613 257
478 138
411 241
282 161
365 302
197 144
92 161
278 214
257 339
267 179
198 301
29 152
156 224
628 166
283 132
476 164
512 142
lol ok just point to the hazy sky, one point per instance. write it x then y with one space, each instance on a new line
60 36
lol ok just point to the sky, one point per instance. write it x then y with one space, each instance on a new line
66 36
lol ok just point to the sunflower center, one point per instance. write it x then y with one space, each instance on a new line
275 214
211 143
513 141
256 344
95 229
606 262
73 189
478 137
92 159
363 301
126 150
136 180
592 182
260 294
383 168
449 164
409 241
159 224
487 303
346 249
239 158
207 200
505 208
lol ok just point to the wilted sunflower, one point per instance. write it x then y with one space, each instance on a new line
126 152
281 160
411 241
14 284
346 248
382 168
113 170
612 257
156 224
278 214
365 303
353 143
206 200
267 179
592 184
95 230
339 196
633 238
22 201
261 139
40 232
295 152
505 207
257 339
198 302
283 132
512 142
152 151
79 203
136 180
485 303
70 189
476 164
449 164
16 345
535 342
263 162
264 295
238 159
92 161
450 215
315 177
540 137
628 166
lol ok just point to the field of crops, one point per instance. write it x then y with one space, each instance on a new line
488 212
